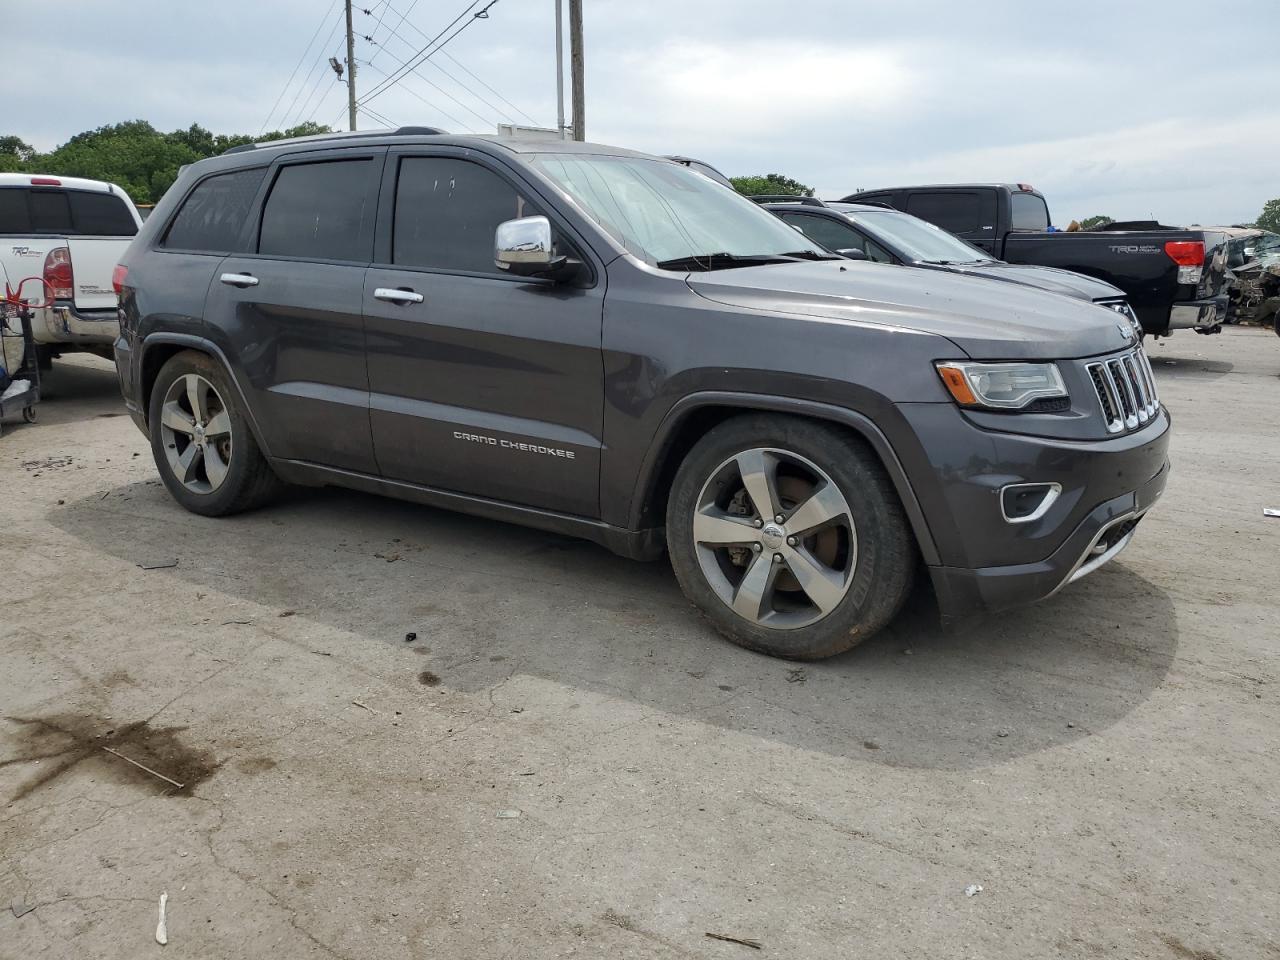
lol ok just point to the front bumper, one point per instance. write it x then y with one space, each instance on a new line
966 593
988 562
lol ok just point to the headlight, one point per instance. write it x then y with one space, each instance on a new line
1001 386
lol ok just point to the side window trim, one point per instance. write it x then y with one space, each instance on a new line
387 202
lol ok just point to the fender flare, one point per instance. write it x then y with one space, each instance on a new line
863 425
206 346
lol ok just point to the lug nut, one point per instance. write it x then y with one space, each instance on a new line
759 523
779 519
756 547
792 541
777 558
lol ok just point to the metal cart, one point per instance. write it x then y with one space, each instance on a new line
15 324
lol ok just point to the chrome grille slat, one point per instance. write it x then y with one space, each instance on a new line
1126 389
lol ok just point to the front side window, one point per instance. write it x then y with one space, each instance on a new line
214 215
918 240
837 235
317 211
446 214
664 213
1029 212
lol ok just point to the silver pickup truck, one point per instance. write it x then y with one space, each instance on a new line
64 237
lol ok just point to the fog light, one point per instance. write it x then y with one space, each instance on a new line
1027 502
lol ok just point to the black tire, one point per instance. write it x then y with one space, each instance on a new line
879 573
249 480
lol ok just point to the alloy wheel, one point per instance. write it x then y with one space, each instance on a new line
775 538
195 427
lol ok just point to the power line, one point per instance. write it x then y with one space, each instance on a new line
414 93
296 68
422 33
489 88
423 54
427 80
380 118
322 63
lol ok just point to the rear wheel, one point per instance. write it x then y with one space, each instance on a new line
201 440
787 534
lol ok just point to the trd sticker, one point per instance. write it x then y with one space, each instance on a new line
1135 248
515 445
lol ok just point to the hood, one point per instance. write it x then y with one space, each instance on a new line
985 320
1064 282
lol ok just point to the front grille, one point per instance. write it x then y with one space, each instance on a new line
1126 390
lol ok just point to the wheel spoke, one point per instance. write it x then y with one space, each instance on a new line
825 505
176 419
215 468
185 464
758 470
825 587
197 397
719 529
755 592
219 424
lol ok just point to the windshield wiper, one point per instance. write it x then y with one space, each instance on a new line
813 255
721 261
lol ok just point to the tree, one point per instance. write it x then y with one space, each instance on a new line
770 183
1101 220
133 154
1269 219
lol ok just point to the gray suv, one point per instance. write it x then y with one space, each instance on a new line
612 346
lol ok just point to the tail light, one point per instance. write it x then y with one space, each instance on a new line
58 281
118 276
1189 256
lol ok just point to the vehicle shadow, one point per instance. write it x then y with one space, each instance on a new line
489 601
1175 366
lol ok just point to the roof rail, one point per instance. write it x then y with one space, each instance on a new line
340 135
786 198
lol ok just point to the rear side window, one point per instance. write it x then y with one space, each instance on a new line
318 211
67 213
956 212
100 215
1029 212
213 215
447 211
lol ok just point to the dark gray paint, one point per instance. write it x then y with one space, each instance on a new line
612 366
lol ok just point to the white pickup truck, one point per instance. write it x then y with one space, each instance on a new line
69 233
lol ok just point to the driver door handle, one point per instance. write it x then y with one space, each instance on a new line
239 279
397 295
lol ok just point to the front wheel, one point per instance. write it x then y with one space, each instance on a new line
787 534
201 440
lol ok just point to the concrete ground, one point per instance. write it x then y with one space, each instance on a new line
567 762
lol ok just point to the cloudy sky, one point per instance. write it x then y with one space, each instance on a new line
1131 108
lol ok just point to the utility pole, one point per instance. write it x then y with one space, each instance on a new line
576 70
559 69
351 71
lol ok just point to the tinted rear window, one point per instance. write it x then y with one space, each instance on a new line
956 212
214 214
67 213
1029 212
318 211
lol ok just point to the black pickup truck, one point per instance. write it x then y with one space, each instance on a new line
1174 279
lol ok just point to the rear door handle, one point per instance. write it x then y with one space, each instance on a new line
239 279
394 295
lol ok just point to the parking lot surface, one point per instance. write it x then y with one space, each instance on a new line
566 761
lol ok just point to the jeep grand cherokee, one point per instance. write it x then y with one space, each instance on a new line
606 344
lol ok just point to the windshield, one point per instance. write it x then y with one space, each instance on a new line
918 239
666 214
1267 245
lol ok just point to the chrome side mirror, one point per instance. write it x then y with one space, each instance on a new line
524 247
